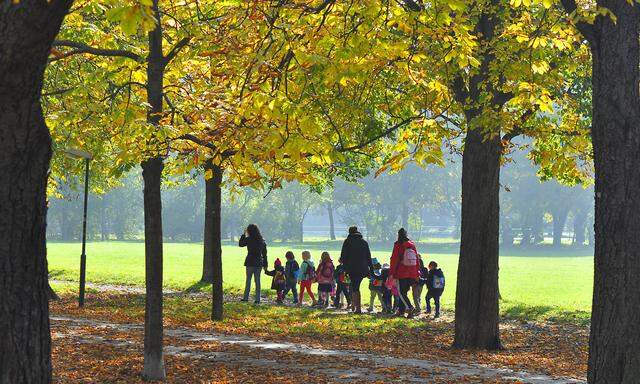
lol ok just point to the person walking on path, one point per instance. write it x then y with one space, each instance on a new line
405 269
356 257
255 261
435 287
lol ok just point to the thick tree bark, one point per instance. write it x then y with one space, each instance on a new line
477 317
152 176
614 352
212 264
559 220
27 30
332 227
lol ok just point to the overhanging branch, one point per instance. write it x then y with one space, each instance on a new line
79 48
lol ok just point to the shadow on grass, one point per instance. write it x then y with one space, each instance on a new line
524 312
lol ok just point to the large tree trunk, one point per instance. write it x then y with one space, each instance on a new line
559 220
332 227
212 264
27 31
476 317
614 352
152 176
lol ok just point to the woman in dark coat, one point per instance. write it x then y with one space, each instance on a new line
356 257
256 259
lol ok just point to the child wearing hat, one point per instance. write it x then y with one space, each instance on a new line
279 282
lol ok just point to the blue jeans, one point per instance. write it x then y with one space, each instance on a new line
255 272
294 290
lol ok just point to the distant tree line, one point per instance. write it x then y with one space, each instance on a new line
413 198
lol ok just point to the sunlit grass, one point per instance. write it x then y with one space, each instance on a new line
539 284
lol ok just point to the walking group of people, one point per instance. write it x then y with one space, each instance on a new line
388 283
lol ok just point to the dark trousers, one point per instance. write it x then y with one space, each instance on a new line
434 294
405 303
342 288
293 287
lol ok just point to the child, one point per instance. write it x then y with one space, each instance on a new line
279 282
386 293
435 287
325 278
342 285
375 284
417 288
306 277
291 270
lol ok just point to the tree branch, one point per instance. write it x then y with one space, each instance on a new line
583 27
518 130
176 49
379 136
84 48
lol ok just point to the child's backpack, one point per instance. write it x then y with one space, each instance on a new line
310 273
438 282
410 258
279 278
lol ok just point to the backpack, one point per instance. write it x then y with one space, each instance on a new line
438 282
310 273
410 258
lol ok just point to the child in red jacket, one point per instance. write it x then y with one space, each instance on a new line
405 268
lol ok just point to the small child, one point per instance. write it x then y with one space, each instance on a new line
325 278
342 285
375 284
386 293
306 277
291 271
279 281
416 289
435 287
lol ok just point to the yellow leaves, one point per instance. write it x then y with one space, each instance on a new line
133 17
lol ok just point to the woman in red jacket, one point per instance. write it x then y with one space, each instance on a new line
405 268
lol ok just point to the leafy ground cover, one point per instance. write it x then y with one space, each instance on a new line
539 284
549 348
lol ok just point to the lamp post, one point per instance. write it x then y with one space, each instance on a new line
79 154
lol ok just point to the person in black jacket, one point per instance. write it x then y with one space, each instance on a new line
356 257
435 287
256 259
291 269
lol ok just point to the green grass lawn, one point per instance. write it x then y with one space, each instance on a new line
537 284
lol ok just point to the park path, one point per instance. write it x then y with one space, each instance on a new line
240 351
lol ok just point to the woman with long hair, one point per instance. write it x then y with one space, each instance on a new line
404 269
255 261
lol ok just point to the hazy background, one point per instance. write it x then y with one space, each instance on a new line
426 202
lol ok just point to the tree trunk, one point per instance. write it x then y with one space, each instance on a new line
152 176
153 357
559 221
579 227
26 33
614 355
332 227
477 317
212 261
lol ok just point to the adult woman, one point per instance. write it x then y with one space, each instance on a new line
404 269
256 259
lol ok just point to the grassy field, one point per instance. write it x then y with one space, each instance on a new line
535 284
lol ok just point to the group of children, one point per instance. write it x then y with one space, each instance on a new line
333 284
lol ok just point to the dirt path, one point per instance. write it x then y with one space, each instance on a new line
336 365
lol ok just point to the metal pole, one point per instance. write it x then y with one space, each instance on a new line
83 256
